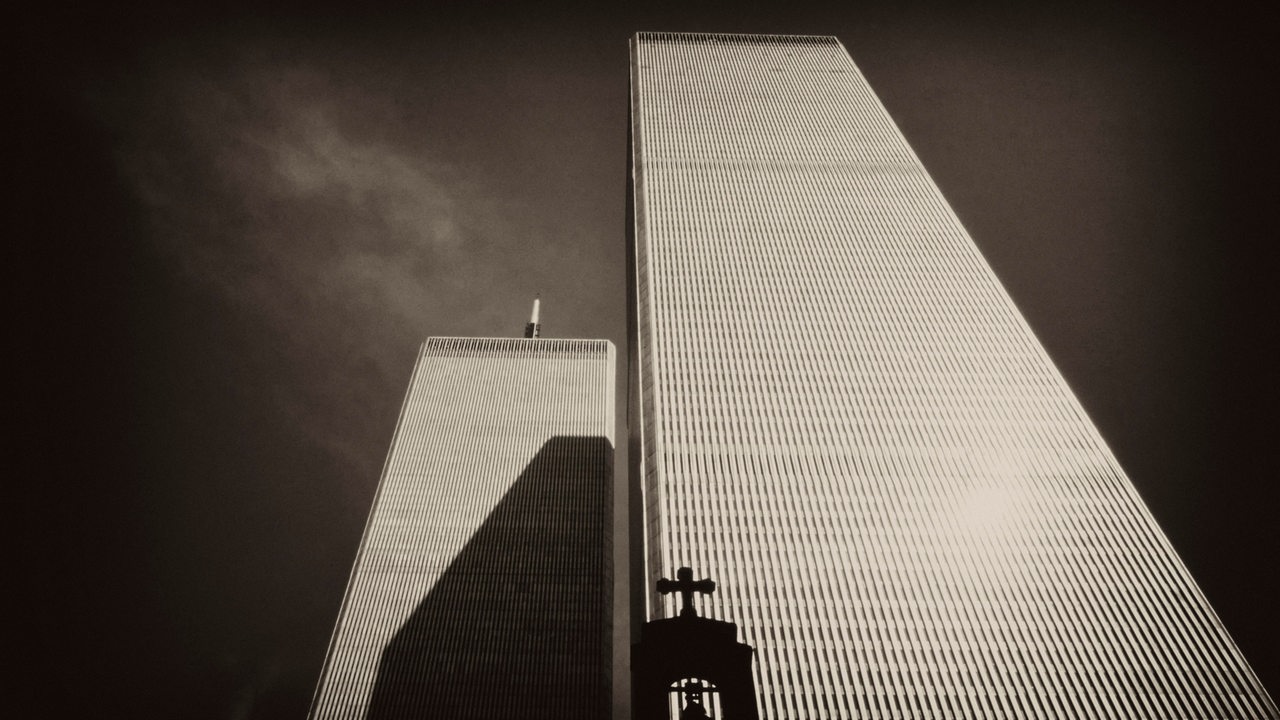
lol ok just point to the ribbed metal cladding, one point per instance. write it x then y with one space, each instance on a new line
483 583
844 420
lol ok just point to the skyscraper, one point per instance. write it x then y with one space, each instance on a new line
483 583
838 413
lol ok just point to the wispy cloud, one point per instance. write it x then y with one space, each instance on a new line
299 200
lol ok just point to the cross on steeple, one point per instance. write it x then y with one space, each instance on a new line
686 586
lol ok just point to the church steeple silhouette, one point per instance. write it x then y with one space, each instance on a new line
693 656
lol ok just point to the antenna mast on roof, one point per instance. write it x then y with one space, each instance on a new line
534 328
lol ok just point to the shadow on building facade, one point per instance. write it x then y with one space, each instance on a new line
518 626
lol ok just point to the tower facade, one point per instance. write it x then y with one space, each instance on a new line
483 582
837 411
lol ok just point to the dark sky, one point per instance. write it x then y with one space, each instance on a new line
234 227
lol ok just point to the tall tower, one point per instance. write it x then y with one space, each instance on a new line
837 412
483 583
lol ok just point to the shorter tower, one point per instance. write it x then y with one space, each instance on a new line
483 584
